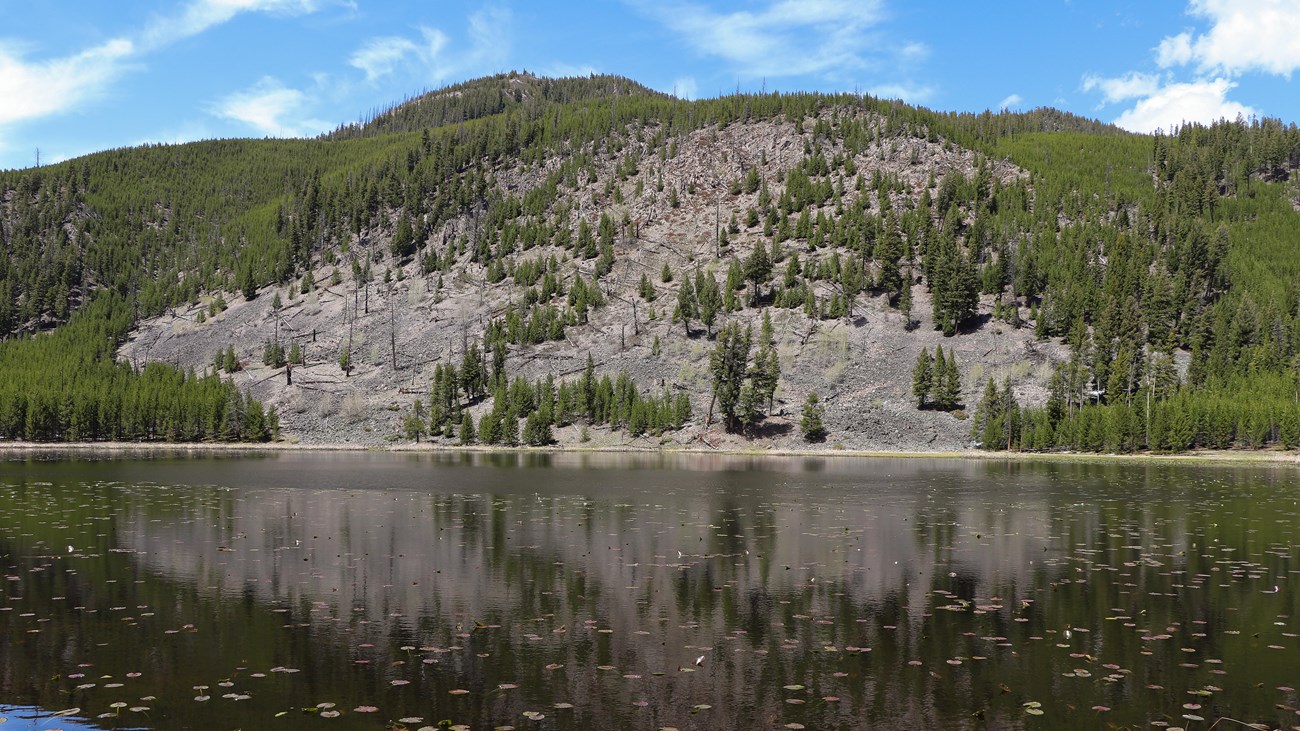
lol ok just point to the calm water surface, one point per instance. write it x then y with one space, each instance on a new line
588 591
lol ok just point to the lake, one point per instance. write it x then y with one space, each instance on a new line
388 591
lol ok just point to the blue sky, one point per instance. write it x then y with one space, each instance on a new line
83 75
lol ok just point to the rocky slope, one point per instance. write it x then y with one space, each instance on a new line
401 328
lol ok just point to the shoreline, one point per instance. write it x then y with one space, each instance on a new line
126 449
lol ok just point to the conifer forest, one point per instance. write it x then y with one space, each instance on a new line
519 260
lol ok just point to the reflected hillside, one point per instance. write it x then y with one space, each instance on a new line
640 593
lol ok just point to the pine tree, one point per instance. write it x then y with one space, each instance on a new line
403 243
905 302
466 428
687 307
766 374
758 267
537 430
981 426
922 378
727 364
413 426
947 381
889 249
710 299
811 422
231 363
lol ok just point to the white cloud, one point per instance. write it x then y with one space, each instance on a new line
271 108
1175 104
38 88
914 52
1122 88
1012 101
201 15
380 55
910 93
562 70
786 38
1240 36
31 89
1174 50
685 88
488 32
1244 35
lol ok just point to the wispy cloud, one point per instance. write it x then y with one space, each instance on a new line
432 57
201 15
784 38
1244 36
1122 88
34 88
560 70
1176 104
272 109
380 56
910 93
685 88
1241 36
1011 101
31 89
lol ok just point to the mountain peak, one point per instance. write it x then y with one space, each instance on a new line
486 96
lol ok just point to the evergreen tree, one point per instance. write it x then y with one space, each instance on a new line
414 425
403 243
923 378
537 430
766 372
687 308
981 426
232 363
811 421
889 249
947 381
727 364
709 298
466 428
758 267
905 302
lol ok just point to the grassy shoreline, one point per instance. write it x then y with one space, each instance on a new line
126 449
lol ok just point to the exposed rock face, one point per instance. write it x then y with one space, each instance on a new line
399 329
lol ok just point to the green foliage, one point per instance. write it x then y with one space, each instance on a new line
728 366
936 381
811 422
66 386
922 378
1129 246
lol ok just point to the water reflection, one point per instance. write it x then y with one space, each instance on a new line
648 591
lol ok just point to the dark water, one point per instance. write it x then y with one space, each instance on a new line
392 591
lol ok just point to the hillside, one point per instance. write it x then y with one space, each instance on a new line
487 97
1119 292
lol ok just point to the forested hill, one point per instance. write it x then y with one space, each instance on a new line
695 266
489 96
